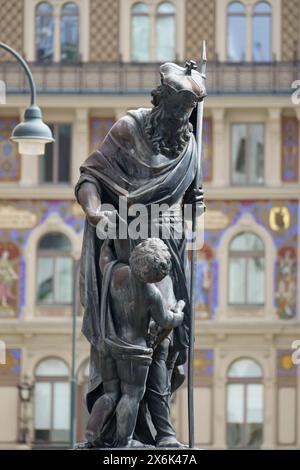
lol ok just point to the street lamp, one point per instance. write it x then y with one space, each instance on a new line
32 134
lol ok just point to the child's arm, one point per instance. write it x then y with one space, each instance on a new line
164 318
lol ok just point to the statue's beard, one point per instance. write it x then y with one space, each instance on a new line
168 135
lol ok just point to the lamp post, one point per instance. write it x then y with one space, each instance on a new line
32 134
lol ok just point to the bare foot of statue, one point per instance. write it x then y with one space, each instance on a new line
169 441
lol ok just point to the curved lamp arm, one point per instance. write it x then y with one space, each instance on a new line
25 67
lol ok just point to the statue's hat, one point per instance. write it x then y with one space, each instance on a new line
183 78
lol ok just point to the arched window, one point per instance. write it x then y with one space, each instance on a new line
262 32
140 36
52 401
44 32
165 32
236 32
244 405
69 32
54 270
246 270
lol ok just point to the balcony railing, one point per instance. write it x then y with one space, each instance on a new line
128 78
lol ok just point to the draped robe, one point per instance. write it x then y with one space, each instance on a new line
126 165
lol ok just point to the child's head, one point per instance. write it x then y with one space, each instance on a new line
150 261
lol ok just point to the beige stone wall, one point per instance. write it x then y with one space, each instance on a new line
290 29
104 30
11 26
200 24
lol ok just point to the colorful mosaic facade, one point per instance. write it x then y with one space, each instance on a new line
289 150
10 371
9 157
280 220
14 242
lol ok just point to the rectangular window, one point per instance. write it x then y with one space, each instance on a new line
54 278
247 154
55 165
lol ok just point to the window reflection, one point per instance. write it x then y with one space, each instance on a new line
44 32
69 31
140 47
165 32
247 154
262 32
236 32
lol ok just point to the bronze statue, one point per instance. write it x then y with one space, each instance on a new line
149 158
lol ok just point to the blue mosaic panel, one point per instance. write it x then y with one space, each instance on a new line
289 150
10 371
280 219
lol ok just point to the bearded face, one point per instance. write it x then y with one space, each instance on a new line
168 125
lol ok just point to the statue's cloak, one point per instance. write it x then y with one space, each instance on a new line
125 165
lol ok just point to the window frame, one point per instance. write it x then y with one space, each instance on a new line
257 15
52 380
125 42
249 254
248 124
55 147
245 382
53 254
235 15
221 32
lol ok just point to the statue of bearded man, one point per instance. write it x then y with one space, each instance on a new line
148 157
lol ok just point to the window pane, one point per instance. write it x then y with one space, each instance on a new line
254 403
55 241
245 368
165 34
256 280
42 403
237 267
236 39
61 412
63 280
254 416
239 132
262 38
235 414
69 33
64 153
46 162
45 280
44 32
52 367
140 38
256 153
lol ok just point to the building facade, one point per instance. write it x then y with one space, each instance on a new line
92 61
